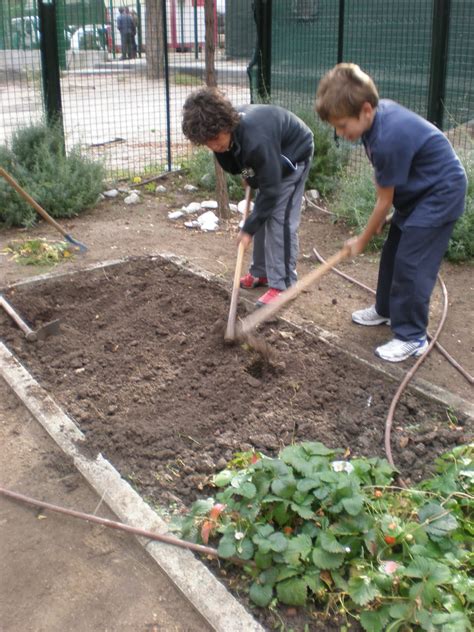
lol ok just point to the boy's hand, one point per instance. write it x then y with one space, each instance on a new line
245 239
356 245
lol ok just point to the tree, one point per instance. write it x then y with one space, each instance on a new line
221 185
155 57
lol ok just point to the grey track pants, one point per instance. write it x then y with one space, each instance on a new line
275 244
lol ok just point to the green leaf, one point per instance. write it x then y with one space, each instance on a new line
326 561
278 542
440 523
452 622
316 448
261 595
226 548
247 490
374 620
245 549
400 610
353 505
223 478
329 543
307 484
427 569
263 560
303 511
426 591
362 590
292 592
280 513
202 507
284 487
298 548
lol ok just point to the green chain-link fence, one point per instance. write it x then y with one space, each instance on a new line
127 112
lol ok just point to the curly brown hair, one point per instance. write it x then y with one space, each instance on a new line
343 91
207 113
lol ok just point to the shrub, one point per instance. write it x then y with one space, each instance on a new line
356 198
329 158
316 529
202 174
64 185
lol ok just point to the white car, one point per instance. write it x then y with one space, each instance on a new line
89 37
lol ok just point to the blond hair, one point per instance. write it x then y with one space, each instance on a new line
343 91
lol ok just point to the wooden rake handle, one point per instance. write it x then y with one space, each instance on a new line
39 209
267 311
230 329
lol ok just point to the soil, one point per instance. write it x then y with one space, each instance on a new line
141 366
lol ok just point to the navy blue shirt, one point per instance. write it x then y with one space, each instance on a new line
415 157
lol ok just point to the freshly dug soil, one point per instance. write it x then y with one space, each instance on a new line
142 368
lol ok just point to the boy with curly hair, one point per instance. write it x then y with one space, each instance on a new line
416 171
272 149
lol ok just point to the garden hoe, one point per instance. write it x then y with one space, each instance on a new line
229 335
77 244
49 329
267 311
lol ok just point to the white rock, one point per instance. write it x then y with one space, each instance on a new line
190 188
208 221
111 193
160 189
133 198
241 206
313 195
192 224
233 207
193 207
175 214
209 204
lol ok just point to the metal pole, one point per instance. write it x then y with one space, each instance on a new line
263 16
112 26
167 84
439 55
196 43
50 62
340 32
139 29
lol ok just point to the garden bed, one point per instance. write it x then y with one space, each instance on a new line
141 367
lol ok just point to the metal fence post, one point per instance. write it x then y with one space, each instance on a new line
340 32
439 55
263 18
167 84
50 62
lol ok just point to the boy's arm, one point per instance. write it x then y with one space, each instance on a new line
375 222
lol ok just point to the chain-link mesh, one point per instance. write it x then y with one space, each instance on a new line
127 112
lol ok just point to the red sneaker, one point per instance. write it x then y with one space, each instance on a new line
248 282
269 296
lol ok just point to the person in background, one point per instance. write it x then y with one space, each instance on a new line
272 150
126 28
416 171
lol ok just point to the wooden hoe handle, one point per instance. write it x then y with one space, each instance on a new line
267 311
230 330
40 210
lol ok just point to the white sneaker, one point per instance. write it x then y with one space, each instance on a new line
369 316
398 350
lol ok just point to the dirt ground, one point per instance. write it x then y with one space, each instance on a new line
62 574
141 366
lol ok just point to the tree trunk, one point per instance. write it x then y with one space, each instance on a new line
155 63
211 80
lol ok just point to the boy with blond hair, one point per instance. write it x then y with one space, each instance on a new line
418 173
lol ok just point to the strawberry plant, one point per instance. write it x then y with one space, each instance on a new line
320 531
